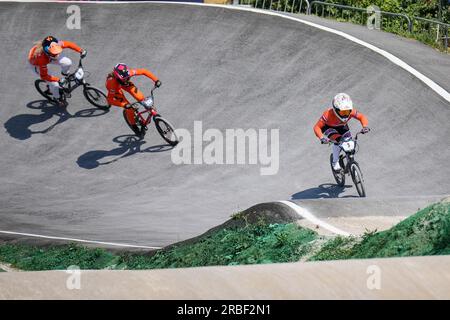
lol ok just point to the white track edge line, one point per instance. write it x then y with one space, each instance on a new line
312 218
77 240
397 61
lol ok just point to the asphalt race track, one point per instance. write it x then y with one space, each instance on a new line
79 173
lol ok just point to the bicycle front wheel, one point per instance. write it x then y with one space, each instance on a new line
136 127
96 97
358 179
166 130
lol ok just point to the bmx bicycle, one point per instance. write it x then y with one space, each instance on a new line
143 119
94 95
349 147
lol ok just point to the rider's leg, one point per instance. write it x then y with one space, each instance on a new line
118 99
333 134
138 95
343 132
129 112
64 62
336 151
54 88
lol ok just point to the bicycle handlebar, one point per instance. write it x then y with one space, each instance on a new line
355 139
140 102
151 95
80 64
151 92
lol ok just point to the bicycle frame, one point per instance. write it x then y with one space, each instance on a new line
348 163
151 113
349 156
151 110
72 79
349 160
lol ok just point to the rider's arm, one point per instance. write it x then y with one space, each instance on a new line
43 72
362 118
318 128
143 72
117 100
71 45
134 91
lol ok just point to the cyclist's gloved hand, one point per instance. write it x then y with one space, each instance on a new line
365 130
158 83
324 140
83 54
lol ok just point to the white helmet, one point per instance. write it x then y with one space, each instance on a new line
342 106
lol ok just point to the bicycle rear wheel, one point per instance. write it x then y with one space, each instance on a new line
358 179
339 176
137 127
96 97
43 89
166 130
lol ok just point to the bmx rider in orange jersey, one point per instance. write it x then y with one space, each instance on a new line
332 125
49 51
118 80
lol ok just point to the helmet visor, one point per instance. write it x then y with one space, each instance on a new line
344 113
53 49
121 77
53 56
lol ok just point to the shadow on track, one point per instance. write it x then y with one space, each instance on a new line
18 126
323 191
128 145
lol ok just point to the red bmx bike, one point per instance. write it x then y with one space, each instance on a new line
144 111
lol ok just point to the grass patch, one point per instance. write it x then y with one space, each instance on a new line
252 244
423 234
32 258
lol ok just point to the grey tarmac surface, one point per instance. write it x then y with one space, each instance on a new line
427 60
360 207
80 174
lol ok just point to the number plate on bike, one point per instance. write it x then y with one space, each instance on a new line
148 102
79 74
348 146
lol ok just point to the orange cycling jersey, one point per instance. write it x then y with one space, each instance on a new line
329 119
115 93
41 60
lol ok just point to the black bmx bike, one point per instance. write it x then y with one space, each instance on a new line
73 80
349 147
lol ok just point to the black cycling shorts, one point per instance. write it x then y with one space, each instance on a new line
336 133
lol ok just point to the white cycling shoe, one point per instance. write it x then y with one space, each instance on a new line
336 166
